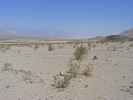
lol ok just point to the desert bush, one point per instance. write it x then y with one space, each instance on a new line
6 67
87 71
50 47
73 68
75 44
79 53
61 80
89 45
36 46
131 45
95 57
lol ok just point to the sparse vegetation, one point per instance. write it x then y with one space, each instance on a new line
131 45
128 89
80 52
95 57
6 67
73 68
87 70
4 47
62 80
26 76
50 47
89 45
36 46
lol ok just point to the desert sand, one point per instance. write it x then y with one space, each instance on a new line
26 72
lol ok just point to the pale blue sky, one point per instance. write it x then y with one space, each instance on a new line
77 18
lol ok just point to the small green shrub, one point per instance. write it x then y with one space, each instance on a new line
79 53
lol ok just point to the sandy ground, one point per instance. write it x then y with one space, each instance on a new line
27 73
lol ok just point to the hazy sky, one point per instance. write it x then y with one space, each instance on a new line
79 18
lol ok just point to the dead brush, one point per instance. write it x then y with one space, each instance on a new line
36 46
61 80
73 68
87 71
6 67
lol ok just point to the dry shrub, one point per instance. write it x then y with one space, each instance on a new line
36 46
131 45
87 71
73 68
95 57
6 67
61 80
50 47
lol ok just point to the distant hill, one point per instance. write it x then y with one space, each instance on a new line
125 35
128 33
6 36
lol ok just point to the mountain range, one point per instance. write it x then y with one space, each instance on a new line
7 35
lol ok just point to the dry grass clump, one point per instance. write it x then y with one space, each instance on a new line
79 53
26 76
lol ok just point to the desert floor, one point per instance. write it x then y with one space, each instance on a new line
26 73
